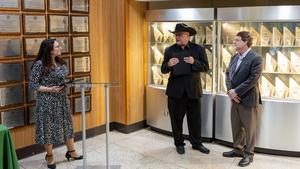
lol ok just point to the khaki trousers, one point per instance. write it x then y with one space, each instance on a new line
243 123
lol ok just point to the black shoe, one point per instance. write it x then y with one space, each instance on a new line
201 148
180 150
68 156
245 161
50 158
232 153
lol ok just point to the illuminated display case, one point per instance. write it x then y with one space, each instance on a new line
279 46
159 38
276 38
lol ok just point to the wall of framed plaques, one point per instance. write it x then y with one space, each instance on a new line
23 25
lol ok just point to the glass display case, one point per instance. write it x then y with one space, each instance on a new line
278 43
160 38
160 23
276 38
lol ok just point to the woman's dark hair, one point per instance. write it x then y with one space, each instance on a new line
44 54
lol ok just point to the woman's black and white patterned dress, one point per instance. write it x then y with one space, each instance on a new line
53 117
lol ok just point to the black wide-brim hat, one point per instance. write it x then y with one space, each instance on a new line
181 27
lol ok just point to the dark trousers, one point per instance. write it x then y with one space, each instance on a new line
192 108
243 123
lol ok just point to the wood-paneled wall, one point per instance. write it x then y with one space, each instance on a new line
135 61
117 55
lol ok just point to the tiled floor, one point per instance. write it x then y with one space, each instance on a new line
146 149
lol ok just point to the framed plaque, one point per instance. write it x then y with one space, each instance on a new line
58 23
10 24
63 43
11 72
30 94
80 6
32 45
78 106
36 5
11 95
81 64
10 4
58 5
80 24
31 113
28 65
13 118
34 24
82 79
80 44
10 47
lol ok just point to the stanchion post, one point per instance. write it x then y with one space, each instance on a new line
83 126
106 88
106 92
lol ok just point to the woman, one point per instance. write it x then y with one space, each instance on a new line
53 118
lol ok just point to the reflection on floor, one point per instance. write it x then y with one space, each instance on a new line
146 149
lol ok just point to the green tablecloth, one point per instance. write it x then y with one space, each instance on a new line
8 157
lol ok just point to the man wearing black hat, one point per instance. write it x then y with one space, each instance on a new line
185 60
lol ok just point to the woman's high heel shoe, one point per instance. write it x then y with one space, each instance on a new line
68 156
50 158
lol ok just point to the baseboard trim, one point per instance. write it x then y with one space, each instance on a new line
129 128
37 148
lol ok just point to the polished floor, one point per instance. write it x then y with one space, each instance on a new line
146 149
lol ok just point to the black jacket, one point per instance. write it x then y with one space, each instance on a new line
190 84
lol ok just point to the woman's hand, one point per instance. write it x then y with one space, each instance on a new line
56 89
